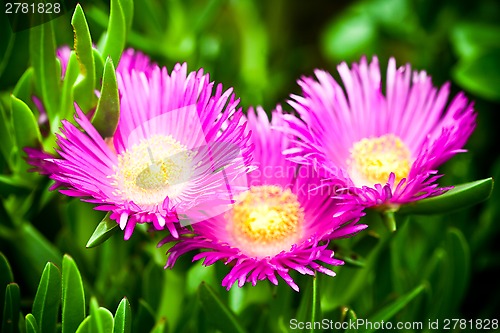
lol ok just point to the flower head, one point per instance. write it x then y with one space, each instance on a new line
179 146
283 222
390 144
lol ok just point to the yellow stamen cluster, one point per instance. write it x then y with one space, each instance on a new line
373 159
266 220
153 169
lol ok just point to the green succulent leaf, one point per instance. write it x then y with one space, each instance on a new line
24 87
6 137
128 13
84 326
84 90
47 299
70 77
217 312
73 296
34 250
107 114
448 272
116 34
105 229
123 317
480 74
27 132
101 319
31 325
11 308
472 38
98 65
459 253
461 196
387 312
352 34
46 68
6 277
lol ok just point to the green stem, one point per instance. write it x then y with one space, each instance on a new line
389 220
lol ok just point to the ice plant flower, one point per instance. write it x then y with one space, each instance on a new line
283 222
178 146
389 142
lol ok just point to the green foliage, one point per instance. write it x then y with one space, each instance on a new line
47 299
460 197
46 68
84 90
123 318
117 29
11 308
73 296
105 229
218 314
425 261
107 113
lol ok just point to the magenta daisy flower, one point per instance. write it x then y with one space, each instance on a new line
179 147
388 144
283 222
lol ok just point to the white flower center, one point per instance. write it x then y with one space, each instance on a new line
153 169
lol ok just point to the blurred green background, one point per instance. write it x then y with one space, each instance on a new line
261 48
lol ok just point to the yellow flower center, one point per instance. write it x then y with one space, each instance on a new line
266 220
372 160
153 169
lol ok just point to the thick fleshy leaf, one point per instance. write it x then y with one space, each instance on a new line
10 318
31 325
472 38
34 251
84 90
107 113
388 311
70 77
350 35
47 299
6 277
6 137
101 319
24 87
217 312
448 272
481 74
461 196
27 132
128 13
123 317
73 296
105 229
98 65
47 71
310 307
84 326
116 34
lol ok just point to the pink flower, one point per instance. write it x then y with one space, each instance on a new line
283 222
179 146
389 141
